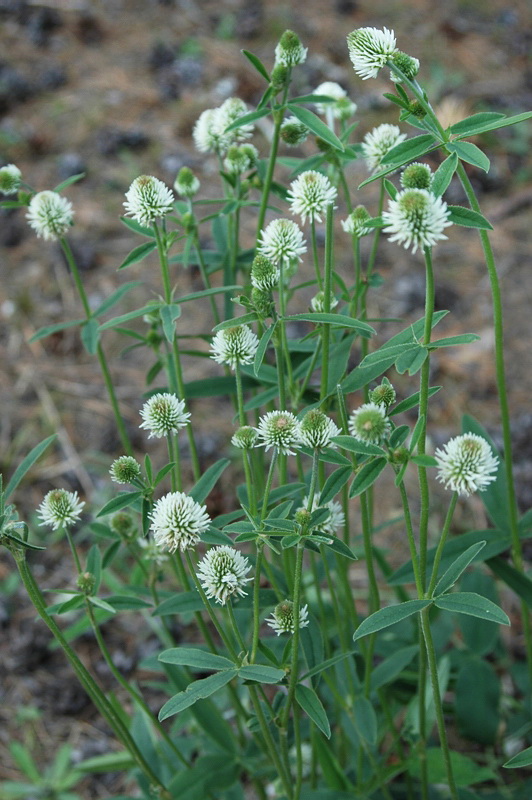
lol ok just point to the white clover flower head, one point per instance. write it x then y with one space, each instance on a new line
186 183
177 522
222 572
416 218
317 429
282 239
232 109
147 199
163 413
125 469
408 65
264 273
370 49
333 522
240 158
10 177
343 108
282 619
378 142
280 429
234 346
245 438
50 215
60 508
355 224
310 194
289 51
328 89
206 133
467 464
383 395
317 303
369 423
209 132
293 132
416 176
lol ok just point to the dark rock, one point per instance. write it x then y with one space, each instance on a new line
42 23
12 228
84 253
345 6
88 29
52 78
161 55
13 8
250 19
14 87
69 164
110 140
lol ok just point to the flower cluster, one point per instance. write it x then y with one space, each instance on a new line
289 51
282 239
10 177
264 274
124 469
186 184
467 464
280 429
416 218
164 413
333 522
240 158
282 619
369 423
234 346
210 134
293 131
177 521
310 194
355 224
317 429
147 199
60 508
222 572
342 108
378 143
245 438
317 303
370 49
50 215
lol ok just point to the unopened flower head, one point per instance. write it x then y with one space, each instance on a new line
370 49
416 218
416 176
153 552
186 184
369 423
294 132
262 302
317 303
280 429
383 395
333 522
10 177
282 619
342 108
123 523
289 51
50 215
60 508
245 437
234 346
310 194
177 521
125 469
408 65
222 572
282 239
147 199
163 413
467 464
355 223
240 158
264 273
317 429
209 132
378 142
232 109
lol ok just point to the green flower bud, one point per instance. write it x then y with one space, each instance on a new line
302 517
400 455
86 582
383 395
262 302
124 469
123 523
293 132
264 274
290 52
245 437
417 176
417 110
408 65
186 184
279 77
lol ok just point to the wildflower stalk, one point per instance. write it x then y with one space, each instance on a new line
423 412
74 271
173 454
315 256
240 394
326 329
205 276
441 544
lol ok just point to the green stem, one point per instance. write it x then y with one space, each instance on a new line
326 329
240 395
441 544
256 606
277 121
423 413
234 626
124 438
315 256
173 454
205 277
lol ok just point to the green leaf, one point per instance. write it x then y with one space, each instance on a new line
198 690
257 63
424 461
451 575
236 321
334 483
42 333
94 565
503 122
69 181
390 188
516 580
389 616
26 464
24 761
122 500
444 175
339 320
365 720
388 354
214 536
138 254
391 667
123 602
450 341
312 705
182 603
330 662
90 335
261 673
109 762
245 119
315 125
367 476
169 313
465 771
408 150
137 228
468 218
522 759
207 293
263 346
356 446
411 402
208 777
467 151
116 296
116 321
99 603
477 696
412 360
339 546
472 604
190 657
475 123
208 480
